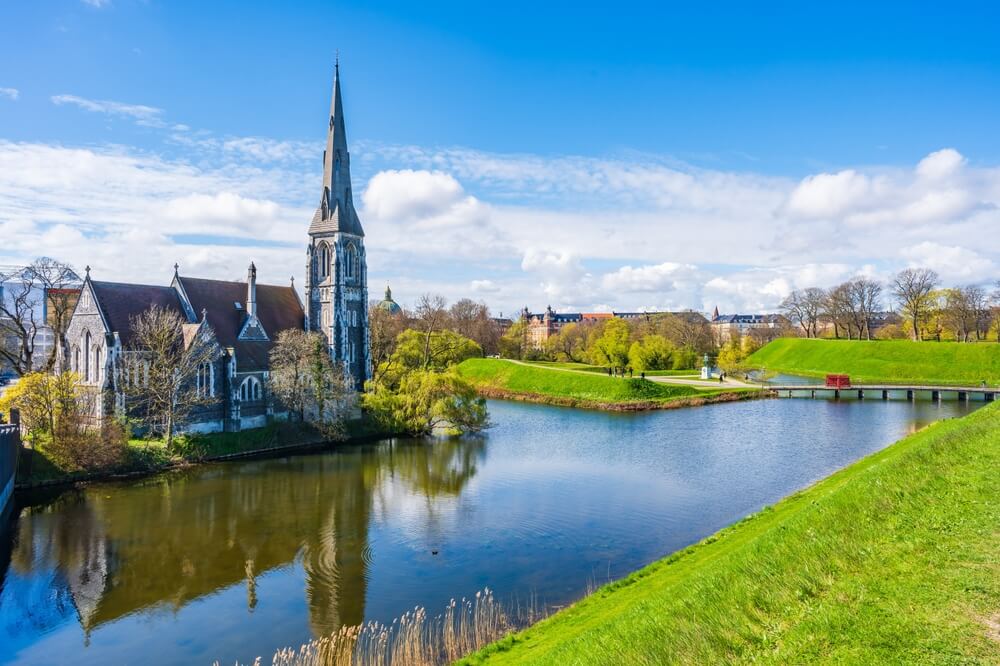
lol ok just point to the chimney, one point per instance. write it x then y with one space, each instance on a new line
252 291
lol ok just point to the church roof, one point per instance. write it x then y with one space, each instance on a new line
278 309
120 302
347 223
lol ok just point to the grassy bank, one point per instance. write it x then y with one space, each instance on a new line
603 370
505 379
144 456
891 560
889 361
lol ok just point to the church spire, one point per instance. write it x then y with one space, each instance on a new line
336 210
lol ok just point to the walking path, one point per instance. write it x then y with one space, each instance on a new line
698 383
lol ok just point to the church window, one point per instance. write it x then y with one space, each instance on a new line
86 357
97 364
76 359
324 260
351 263
250 389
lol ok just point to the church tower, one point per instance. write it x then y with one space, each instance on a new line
336 273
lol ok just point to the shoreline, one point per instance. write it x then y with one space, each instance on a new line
99 476
495 393
704 587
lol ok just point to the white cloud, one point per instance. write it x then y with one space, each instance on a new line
952 262
97 4
10 93
940 164
148 116
628 232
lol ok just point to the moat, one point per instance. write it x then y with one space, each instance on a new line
231 561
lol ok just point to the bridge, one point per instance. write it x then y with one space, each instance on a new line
863 391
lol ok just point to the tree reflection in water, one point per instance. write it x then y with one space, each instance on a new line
110 550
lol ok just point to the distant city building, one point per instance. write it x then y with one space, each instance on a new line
389 305
543 325
41 310
727 326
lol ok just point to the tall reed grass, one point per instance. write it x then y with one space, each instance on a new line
415 639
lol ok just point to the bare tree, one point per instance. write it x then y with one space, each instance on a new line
430 317
995 308
838 308
158 373
306 381
25 295
473 320
912 288
804 307
686 330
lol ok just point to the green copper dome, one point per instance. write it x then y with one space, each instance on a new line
389 305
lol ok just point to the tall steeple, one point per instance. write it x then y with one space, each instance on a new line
336 208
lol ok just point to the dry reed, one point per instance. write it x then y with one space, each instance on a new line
415 639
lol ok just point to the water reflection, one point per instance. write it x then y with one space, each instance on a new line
111 550
232 561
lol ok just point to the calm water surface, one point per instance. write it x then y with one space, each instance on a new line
231 561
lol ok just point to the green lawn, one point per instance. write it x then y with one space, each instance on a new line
541 381
889 361
891 560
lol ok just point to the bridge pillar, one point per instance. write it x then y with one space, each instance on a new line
936 396
836 394
989 396
909 394
861 394
885 394
812 393
962 395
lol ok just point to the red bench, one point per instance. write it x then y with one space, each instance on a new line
838 381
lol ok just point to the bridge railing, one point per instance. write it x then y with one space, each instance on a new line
10 449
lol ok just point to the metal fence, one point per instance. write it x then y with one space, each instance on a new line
10 447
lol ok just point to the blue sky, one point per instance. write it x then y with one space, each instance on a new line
656 155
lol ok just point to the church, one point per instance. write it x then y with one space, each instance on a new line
244 318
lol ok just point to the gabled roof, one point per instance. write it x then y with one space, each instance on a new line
120 302
278 309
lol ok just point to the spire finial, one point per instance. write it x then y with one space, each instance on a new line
336 62
204 313
87 269
176 268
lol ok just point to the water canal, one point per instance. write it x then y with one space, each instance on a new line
231 561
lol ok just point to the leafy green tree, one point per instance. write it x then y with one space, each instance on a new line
686 358
653 352
427 400
437 351
569 344
514 343
612 347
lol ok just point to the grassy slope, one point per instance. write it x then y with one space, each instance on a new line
891 560
518 378
890 361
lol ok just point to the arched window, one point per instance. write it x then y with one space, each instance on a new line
86 357
97 365
250 389
324 260
206 380
351 260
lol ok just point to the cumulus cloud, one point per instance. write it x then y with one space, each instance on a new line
627 232
10 93
952 262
